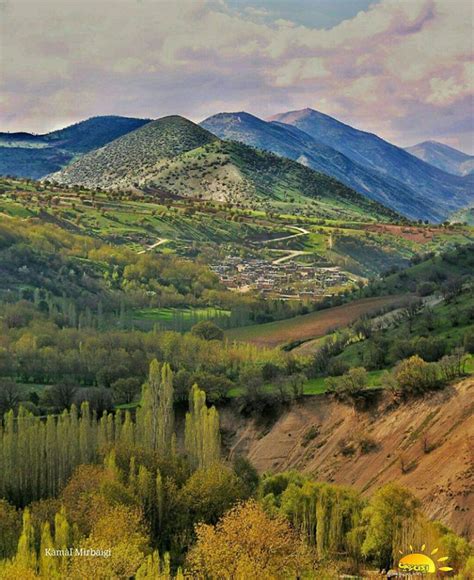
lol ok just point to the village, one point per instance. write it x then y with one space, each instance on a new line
284 280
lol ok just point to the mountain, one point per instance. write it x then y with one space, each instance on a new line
177 157
93 133
33 159
444 157
289 141
440 193
133 157
34 156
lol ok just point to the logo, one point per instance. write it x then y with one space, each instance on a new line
422 563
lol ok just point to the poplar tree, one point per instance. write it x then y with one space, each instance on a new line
202 437
26 554
47 564
155 418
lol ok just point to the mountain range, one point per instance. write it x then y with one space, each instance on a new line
289 141
444 157
174 156
114 152
441 192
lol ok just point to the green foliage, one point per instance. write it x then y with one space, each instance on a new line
207 330
414 376
351 382
202 437
390 507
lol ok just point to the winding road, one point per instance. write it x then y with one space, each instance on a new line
153 246
290 254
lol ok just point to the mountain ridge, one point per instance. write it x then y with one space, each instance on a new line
293 143
36 155
174 156
443 192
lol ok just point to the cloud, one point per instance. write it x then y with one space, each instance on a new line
400 68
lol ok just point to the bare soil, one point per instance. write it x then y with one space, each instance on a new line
426 444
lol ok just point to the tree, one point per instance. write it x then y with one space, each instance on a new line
61 396
120 533
10 527
155 418
125 390
202 436
207 330
247 543
10 395
385 516
468 341
210 492
349 383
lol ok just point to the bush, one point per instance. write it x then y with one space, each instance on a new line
415 376
453 366
337 367
425 288
207 330
350 383
429 349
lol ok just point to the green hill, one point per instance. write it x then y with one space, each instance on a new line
132 158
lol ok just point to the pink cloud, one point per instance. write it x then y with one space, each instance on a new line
388 65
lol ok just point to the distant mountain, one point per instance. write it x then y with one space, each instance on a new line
32 161
289 141
440 193
444 157
93 133
34 156
177 157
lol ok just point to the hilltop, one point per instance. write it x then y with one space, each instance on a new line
134 156
444 157
439 192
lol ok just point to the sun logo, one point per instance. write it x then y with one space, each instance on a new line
419 562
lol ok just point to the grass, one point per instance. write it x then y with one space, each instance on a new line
318 386
168 314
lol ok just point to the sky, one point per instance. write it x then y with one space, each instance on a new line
400 68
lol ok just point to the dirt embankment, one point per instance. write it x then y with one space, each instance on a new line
426 445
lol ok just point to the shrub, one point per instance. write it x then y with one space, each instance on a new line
415 376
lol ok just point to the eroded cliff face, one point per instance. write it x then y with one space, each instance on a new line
426 445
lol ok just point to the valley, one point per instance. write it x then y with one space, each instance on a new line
320 336
236 290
